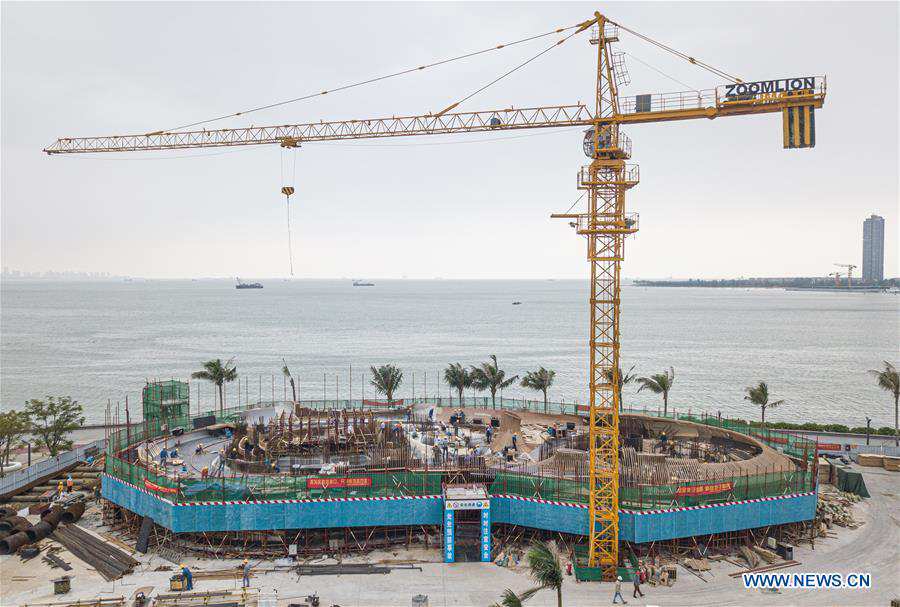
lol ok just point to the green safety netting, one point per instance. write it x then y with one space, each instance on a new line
407 482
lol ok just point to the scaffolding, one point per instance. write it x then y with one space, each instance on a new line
166 404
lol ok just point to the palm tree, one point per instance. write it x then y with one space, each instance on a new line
287 373
759 396
888 379
545 568
659 383
218 373
511 599
539 380
489 376
386 379
624 379
457 376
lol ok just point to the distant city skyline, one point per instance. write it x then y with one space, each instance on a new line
873 249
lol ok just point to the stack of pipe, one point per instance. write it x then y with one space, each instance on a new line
16 531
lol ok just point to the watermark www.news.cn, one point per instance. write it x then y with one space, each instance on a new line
807 580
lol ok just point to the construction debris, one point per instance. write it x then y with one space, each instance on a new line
108 602
775 567
836 508
767 555
751 557
696 564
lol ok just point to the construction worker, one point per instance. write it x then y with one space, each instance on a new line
515 441
199 449
637 585
618 593
204 472
246 568
163 456
188 578
70 484
489 434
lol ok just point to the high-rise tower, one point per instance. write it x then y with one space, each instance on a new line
873 249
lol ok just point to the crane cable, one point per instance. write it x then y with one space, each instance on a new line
375 79
287 190
678 53
662 73
518 67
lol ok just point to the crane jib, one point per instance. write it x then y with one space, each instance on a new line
782 85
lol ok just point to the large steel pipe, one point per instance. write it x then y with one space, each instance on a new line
52 515
14 524
6 512
72 513
9 545
40 531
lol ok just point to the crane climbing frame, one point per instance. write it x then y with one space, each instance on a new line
605 223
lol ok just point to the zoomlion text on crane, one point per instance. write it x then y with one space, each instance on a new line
783 85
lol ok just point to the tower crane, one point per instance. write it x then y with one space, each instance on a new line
850 267
605 179
837 278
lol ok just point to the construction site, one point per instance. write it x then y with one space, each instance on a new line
368 488
392 502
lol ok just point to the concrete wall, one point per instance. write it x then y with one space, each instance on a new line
527 512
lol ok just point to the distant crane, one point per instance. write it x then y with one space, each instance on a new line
837 278
850 267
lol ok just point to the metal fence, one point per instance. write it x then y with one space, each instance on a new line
15 480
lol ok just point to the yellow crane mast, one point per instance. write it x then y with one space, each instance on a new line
605 223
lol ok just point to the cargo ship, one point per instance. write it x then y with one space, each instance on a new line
247 285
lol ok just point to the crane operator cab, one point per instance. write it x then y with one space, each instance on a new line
605 141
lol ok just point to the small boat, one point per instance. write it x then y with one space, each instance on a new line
247 285
360 283
517 303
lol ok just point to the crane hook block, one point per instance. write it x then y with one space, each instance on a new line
287 190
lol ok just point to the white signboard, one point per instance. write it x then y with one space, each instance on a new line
467 504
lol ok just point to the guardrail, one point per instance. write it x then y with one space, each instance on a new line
13 481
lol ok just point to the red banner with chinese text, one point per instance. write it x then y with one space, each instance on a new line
705 489
338 482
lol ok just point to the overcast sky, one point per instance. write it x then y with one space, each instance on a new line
717 198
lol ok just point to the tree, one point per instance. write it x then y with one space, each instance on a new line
218 373
759 396
458 377
387 379
624 379
539 380
52 420
545 568
489 376
13 426
889 380
659 383
511 599
287 373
